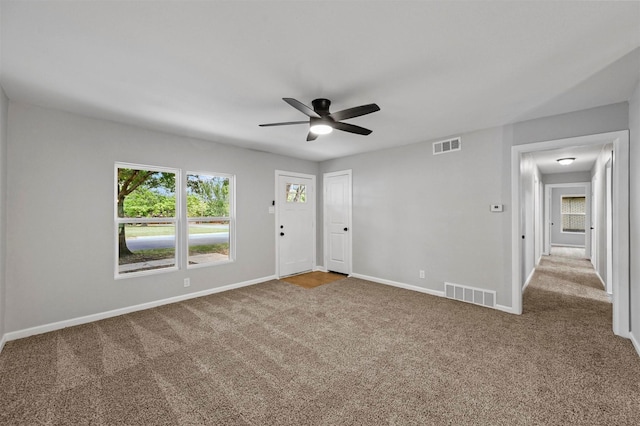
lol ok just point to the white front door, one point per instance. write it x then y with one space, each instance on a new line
337 220
295 226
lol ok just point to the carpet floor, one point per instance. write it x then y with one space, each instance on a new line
345 353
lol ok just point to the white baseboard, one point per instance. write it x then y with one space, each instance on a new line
635 342
507 309
604 285
14 335
400 285
3 340
526 283
319 269
437 293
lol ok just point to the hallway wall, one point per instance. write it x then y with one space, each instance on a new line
634 145
558 237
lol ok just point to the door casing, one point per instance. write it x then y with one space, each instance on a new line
620 196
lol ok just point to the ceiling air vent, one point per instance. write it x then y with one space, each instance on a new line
449 145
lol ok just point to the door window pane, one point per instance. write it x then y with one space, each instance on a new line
296 193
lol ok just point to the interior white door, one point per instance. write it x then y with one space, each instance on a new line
295 227
337 214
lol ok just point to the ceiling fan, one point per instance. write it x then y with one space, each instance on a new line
322 122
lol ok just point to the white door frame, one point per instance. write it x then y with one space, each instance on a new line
547 213
609 224
278 198
349 218
620 270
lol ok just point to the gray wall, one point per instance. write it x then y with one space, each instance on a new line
609 118
566 177
557 236
413 210
60 242
4 105
599 217
634 170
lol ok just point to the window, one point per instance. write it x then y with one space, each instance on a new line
208 218
573 213
146 219
296 193
150 233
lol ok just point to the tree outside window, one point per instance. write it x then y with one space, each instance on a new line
148 224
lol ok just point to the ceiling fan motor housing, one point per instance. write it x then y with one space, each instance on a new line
321 106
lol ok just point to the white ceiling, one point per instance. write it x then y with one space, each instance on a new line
217 69
585 158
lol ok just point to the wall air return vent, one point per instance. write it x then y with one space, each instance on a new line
468 294
449 145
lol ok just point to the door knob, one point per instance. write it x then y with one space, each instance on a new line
282 234
346 229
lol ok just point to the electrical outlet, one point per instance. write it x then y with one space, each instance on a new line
421 274
187 282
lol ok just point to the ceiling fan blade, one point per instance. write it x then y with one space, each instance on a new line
354 112
301 107
311 137
286 123
351 128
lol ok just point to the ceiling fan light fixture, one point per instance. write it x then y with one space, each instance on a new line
321 129
566 161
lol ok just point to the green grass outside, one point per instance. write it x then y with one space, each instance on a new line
153 229
168 253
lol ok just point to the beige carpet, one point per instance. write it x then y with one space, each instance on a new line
313 279
349 352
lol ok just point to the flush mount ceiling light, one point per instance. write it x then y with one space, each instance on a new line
565 161
321 129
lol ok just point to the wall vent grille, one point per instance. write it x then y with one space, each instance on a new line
449 145
468 294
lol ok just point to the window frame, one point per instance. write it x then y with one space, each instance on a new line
180 220
231 219
126 220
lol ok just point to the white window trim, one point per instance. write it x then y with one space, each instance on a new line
180 220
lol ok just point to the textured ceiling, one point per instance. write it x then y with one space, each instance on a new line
217 69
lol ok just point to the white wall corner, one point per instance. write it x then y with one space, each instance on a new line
319 268
3 340
14 335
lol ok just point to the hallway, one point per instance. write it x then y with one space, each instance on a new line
571 277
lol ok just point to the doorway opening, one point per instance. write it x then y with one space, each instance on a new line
523 232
